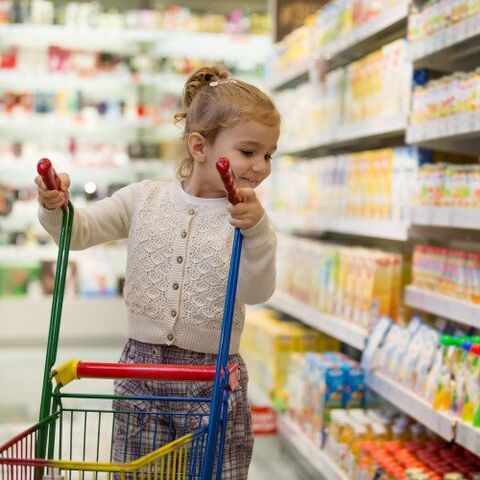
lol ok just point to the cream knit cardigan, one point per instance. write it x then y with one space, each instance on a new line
177 262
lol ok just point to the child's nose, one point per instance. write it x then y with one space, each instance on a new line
260 166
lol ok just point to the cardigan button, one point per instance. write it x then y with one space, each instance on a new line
173 313
170 337
183 234
175 286
191 211
179 259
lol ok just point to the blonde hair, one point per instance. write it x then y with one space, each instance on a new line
212 101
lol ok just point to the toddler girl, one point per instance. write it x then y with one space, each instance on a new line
179 241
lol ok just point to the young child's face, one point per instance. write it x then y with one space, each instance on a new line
249 146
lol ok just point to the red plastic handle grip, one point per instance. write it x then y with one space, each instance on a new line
49 176
198 373
223 168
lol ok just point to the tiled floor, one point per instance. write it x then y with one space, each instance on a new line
272 461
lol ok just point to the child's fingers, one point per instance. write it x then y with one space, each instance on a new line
238 209
64 181
247 194
51 194
239 223
40 183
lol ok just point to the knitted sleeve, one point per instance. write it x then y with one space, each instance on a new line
106 220
256 281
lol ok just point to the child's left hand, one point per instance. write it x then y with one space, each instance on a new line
248 212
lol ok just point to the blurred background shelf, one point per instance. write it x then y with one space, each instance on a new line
463 312
317 461
367 37
343 330
453 48
407 401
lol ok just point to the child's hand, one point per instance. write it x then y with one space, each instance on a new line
53 199
247 213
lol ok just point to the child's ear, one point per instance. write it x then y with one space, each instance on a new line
197 144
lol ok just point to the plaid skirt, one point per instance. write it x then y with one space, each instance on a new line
144 428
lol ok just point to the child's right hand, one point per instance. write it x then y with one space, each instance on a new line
53 199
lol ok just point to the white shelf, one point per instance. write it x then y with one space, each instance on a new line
447 48
418 408
453 217
468 436
291 77
365 34
102 84
444 306
25 321
240 48
359 135
247 51
456 133
309 453
334 326
47 127
362 40
368 227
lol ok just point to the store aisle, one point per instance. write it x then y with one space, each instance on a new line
271 460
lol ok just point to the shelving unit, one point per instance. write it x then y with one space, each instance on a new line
355 137
47 126
246 49
102 83
454 49
365 227
310 455
407 401
336 327
388 26
25 321
444 306
468 436
457 133
365 38
451 49
449 217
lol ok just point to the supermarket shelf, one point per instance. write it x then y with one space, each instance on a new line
456 133
451 217
28 253
444 306
344 330
316 224
52 127
247 51
355 137
418 408
102 84
454 48
25 321
243 48
386 27
291 78
366 38
310 455
468 436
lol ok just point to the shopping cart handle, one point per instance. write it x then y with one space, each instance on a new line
75 369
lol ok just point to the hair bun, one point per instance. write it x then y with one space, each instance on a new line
200 79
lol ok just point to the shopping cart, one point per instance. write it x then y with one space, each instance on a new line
73 438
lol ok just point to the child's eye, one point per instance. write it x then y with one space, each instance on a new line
247 153
268 158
